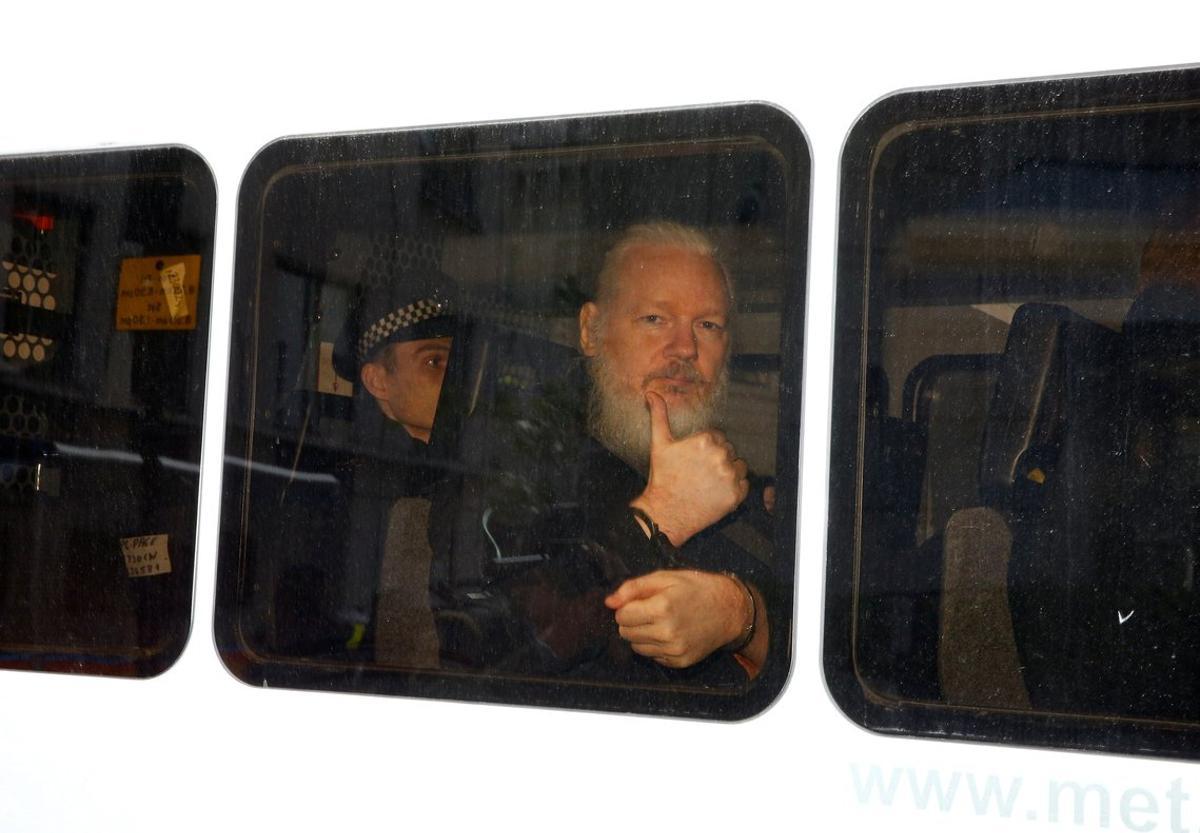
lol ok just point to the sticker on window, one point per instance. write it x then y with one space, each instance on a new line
146 555
158 293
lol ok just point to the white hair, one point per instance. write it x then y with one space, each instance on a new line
663 233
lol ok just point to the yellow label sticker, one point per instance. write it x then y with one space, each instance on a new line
146 555
158 293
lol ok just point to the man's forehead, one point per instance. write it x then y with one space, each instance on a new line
649 267
417 345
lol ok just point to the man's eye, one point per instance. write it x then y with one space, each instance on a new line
712 326
437 362
652 318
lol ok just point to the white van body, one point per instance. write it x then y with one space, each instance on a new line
195 749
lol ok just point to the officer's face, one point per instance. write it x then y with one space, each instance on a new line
407 381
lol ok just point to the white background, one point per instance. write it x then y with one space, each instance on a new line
197 750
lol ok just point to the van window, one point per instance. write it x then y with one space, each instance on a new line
420 496
105 274
1013 493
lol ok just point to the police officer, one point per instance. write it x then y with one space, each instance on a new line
395 344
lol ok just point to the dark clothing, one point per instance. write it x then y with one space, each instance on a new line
528 529
563 626
533 530
328 599
609 484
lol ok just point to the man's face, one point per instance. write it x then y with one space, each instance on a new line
407 381
664 329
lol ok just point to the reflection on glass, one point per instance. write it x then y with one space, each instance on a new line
1030 325
104 281
487 390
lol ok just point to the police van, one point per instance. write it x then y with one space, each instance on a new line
958 344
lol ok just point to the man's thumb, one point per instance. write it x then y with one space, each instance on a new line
660 425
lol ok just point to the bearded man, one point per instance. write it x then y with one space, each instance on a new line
663 481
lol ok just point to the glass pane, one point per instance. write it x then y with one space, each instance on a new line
1018 412
105 264
416 501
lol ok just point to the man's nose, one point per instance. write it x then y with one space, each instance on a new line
683 343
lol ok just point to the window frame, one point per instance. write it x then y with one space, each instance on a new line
760 122
180 162
889 118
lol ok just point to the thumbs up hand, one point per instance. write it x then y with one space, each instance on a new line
694 481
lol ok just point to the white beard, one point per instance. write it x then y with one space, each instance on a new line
620 419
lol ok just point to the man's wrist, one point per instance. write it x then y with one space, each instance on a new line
658 539
748 621
662 519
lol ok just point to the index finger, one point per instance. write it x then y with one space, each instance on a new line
637 613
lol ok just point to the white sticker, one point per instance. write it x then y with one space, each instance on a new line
146 555
174 289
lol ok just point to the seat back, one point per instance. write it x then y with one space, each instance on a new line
1045 378
947 397
977 654
1009 603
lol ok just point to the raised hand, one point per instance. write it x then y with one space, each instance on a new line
694 481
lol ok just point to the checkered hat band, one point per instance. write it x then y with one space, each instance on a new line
397 320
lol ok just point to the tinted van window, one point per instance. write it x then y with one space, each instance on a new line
419 497
105 274
1013 492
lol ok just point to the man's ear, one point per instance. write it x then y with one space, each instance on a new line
588 315
374 379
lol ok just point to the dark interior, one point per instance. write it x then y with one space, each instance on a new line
519 216
100 418
523 237
1028 471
